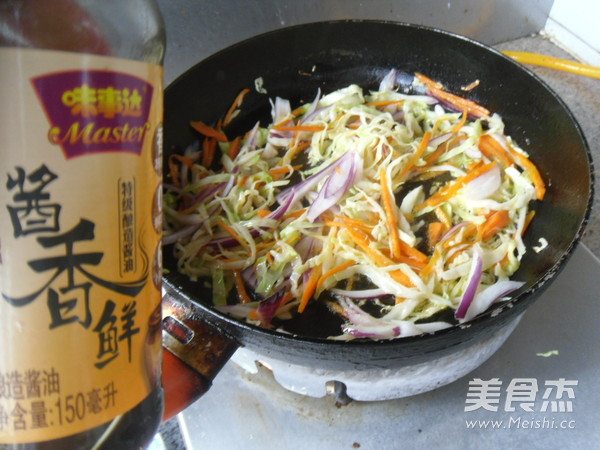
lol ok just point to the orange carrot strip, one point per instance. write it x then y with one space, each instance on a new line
388 206
497 220
435 231
491 148
416 156
415 257
174 168
448 145
437 90
311 128
234 148
532 170
528 219
209 147
356 223
262 213
296 213
207 131
384 103
235 105
364 242
333 271
277 172
241 287
233 233
462 122
310 288
286 298
451 189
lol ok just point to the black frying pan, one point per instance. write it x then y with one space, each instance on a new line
293 63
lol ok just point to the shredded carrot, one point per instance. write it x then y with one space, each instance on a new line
461 103
528 220
450 190
233 233
495 222
532 170
209 147
364 226
286 298
294 149
385 103
491 148
333 271
364 242
387 198
310 128
235 105
448 145
416 156
435 231
262 213
234 147
431 264
462 122
277 172
208 131
295 213
310 288
241 287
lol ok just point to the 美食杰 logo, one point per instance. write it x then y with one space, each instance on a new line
95 111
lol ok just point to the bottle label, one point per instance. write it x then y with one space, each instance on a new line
80 279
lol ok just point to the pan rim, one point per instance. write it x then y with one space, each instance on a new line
484 319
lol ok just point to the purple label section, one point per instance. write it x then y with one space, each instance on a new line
95 111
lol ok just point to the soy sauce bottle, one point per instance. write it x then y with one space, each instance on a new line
80 262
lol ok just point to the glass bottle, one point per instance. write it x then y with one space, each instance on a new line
80 263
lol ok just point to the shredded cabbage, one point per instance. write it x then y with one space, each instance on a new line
300 214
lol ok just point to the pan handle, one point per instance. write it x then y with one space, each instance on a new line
193 354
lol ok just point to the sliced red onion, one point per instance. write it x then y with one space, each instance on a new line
338 183
180 234
269 306
208 192
484 185
472 283
227 241
489 295
312 109
249 277
305 247
452 231
361 324
438 140
360 294
250 144
301 189
388 82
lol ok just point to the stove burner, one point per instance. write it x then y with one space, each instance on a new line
377 384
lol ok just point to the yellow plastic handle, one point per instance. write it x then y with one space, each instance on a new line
554 63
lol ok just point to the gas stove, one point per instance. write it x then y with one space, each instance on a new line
258 403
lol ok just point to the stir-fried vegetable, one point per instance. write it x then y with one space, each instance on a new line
393 209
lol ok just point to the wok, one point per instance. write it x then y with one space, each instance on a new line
293 63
